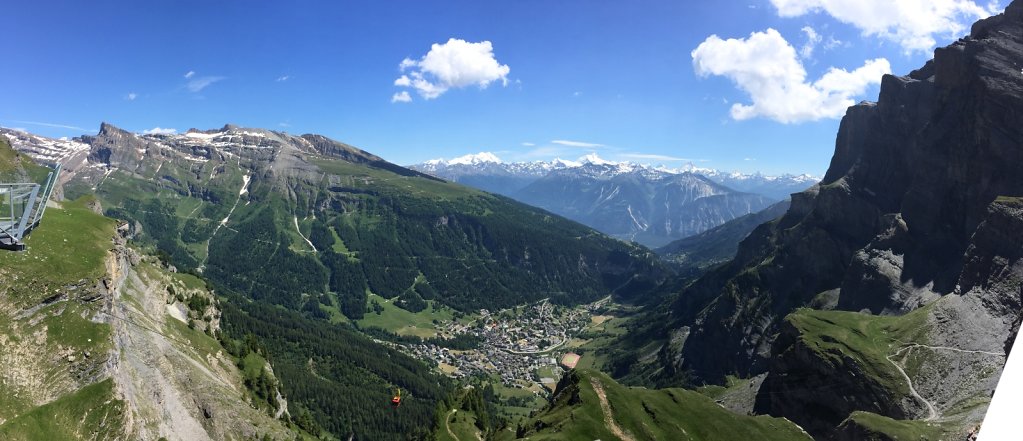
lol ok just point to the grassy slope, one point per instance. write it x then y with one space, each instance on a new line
675 414
403 322
866 339
458 426
873 426
69 246
90 413
15 167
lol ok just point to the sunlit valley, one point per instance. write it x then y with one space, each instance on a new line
778 221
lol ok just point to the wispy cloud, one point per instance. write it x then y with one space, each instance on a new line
283 78
46 124
528 144
579 144
131 96
812 40
401 97
198 84
160 131
189 74
652 157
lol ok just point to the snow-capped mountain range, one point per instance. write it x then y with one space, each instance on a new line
652 205
487 171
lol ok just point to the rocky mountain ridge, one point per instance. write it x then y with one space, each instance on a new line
913 231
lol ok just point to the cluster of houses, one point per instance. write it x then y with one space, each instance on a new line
515 344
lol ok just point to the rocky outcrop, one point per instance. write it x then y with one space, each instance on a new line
888 227
115 147
172 387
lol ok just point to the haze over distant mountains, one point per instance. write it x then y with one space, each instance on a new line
652 205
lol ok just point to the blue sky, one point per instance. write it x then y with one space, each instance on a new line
640 80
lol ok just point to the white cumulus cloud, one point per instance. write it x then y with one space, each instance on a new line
912 24
160 131
131 96
766 67
453 65
401 97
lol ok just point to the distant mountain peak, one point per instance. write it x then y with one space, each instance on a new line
564 163
477 158
593 158
106 128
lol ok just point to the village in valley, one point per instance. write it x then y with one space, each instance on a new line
526 347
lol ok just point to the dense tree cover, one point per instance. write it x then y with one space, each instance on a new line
321 237
341 377
470 253
411 301
255 258
255 376
160 225
348 282
197 230
482 401
480 252
465 249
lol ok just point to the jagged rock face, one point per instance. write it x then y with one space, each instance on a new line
650 208
894 223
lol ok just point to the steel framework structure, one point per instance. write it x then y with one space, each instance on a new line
22 206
